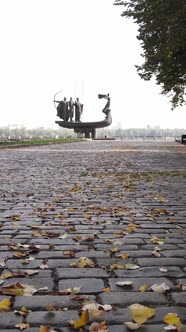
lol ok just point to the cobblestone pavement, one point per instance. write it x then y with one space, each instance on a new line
76 219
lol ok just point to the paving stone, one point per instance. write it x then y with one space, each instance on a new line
119 189
36 283
172 272
118 298
9 320
51 318
65 273
40 302
161 261
87 285
137 283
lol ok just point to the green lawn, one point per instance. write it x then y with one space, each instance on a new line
40 141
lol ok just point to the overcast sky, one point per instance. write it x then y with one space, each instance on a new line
82 47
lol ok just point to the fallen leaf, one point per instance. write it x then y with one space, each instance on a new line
82 321
98 327
124 256
170 328
23 311
156 253
85 262
18 289
3 261
6 275
124 283
70 253
163 269
140 313
106 290
22 326
117 267
131 266
157 240
5 304
113 250
143 288
46 328
73 290
173 319
161 288
132 326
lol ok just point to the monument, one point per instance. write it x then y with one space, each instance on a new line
65 110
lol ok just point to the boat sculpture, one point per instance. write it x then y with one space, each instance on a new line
88 129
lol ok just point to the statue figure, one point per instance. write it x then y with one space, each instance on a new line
71 109
107 106
78 110
62 109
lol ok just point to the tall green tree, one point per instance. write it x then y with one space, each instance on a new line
162 34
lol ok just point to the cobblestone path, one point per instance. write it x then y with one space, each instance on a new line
76 219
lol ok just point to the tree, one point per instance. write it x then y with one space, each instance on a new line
162 34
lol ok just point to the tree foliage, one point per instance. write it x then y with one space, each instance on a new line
162 34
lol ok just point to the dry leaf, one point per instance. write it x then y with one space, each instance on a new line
140 313
156 253
124 256
98 327
22 326
96 309
5 304
73 290
124 283
3 261
143 288
113 250
162 288
157 240
132 326
131 266
44 328
82 321
173 319
63 236
170 328
70 253
106 290
18 289
117 267
85 262
6 275
163 269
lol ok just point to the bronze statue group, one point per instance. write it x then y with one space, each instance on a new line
65 109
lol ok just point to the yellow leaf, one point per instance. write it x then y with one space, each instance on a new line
141 313
106 290
82 321
5 305
113 250
124 256
117 267
173 319
44 328
87 216
143 288
6 275
85 262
